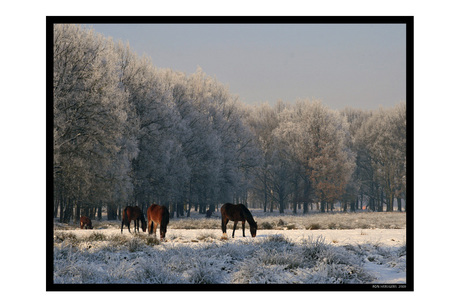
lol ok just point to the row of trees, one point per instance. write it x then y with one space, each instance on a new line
315 155
127 133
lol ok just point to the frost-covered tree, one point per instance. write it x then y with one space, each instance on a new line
90 121
317 139
398 122
383 138
126 132
361 179
263 120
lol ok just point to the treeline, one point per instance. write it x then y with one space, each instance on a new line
315 155
127 133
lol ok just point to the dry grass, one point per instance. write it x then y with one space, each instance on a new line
312 221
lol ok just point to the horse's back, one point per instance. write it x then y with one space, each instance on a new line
226 208
156 212
136 212
232 212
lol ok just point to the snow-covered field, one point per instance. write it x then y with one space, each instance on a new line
203 256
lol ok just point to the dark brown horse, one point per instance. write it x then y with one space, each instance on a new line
85 222
158 215
130 214
235 213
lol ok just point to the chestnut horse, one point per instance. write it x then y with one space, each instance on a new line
133 213
158 215
235 213
85 222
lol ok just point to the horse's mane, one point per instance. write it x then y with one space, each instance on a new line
247 215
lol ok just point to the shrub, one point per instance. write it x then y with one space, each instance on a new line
135 244
205 271
266 225
97 236
61 236
206 236
152 241
314 226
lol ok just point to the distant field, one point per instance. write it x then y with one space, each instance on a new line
339 220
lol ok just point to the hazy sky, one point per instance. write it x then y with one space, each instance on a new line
357 65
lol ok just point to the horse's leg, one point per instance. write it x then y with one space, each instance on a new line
224 225
234 228
150 227
122 222
242 225
155 229
135 226
129 226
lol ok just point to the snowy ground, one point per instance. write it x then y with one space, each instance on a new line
203 256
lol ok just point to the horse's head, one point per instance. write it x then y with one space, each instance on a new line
143 225
253 229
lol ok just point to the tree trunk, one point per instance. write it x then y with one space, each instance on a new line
380 203
212 207
399 204
77 213
99 212
265 199
390 203
305 207
111 212
189 209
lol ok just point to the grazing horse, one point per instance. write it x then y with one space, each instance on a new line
85 222
158 215
133 213
235 213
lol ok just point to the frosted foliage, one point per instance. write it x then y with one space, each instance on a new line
196 258
126 132
91 144
383 139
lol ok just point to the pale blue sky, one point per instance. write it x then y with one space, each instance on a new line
356 65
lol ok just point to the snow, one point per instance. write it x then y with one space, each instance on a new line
375 256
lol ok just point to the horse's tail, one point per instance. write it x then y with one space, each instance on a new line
125 217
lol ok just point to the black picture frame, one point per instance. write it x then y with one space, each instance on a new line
406 20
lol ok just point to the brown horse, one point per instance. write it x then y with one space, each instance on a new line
85 222
158 215
130 214
235 213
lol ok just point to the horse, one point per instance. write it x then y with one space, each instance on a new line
133 213
157 214
235 213
85 222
